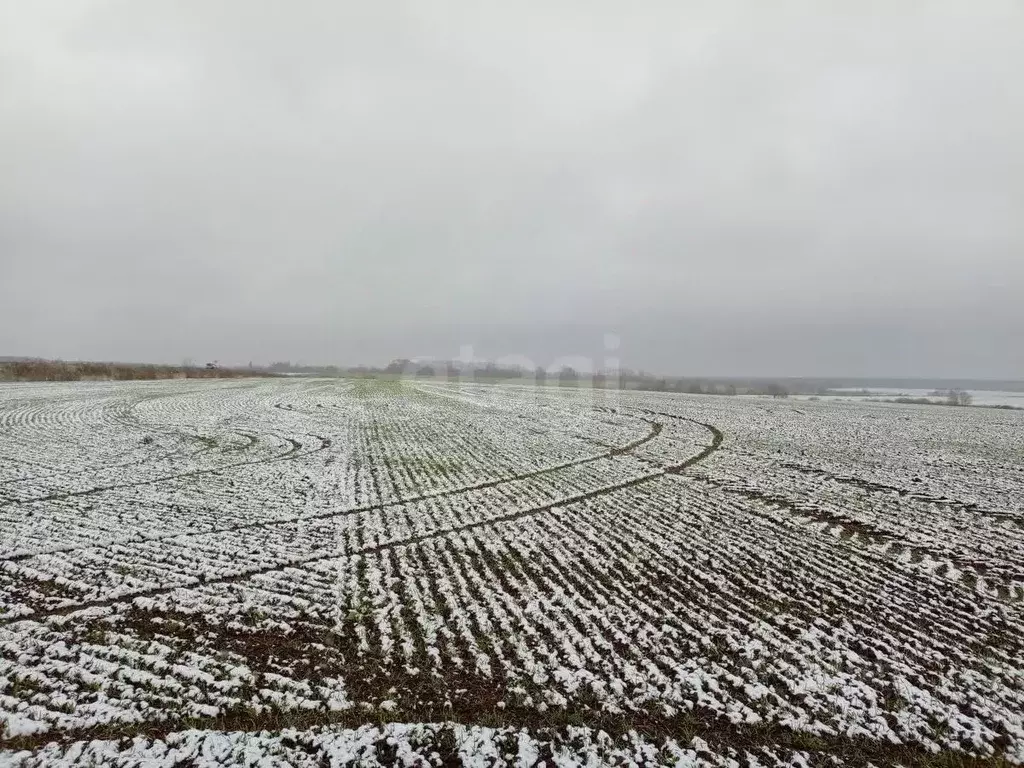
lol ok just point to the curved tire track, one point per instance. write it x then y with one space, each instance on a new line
408 541
287 455
655 430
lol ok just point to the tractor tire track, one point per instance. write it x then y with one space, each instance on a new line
889 544
892 544
873 486
291 454
404 542
655 430
124 415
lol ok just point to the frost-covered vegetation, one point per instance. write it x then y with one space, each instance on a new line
317 572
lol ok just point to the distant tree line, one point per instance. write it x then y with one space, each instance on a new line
32 369
953 397
60 370
450 370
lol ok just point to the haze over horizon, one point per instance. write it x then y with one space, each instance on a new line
727 188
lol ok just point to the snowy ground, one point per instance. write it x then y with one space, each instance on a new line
327 571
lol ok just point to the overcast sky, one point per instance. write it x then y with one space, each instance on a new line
728 188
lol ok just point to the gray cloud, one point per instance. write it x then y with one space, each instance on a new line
784 188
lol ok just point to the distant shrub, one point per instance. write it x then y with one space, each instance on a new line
958 397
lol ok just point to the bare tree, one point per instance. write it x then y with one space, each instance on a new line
958 397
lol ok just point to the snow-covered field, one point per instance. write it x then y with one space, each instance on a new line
320 572
982 397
